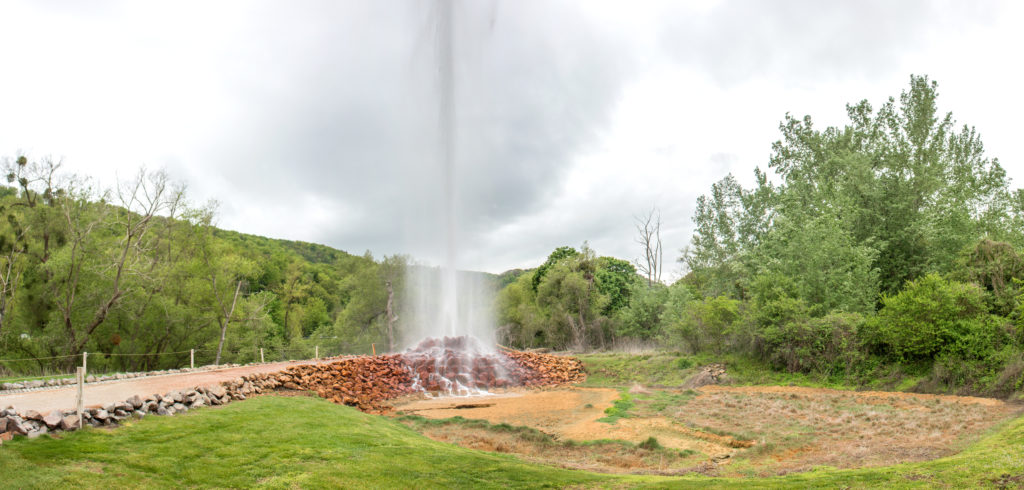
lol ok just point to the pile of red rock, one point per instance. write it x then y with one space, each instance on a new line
440 366
361 382
536 369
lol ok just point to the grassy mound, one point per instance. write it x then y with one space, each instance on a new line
268 441
305 442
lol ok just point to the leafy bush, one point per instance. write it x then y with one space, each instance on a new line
707 324
825 344
650 444
995 266
933 316
642 319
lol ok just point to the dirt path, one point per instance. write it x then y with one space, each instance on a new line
104 393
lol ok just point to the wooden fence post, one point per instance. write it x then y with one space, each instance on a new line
261 355
317 355
85 359
192 358
80 405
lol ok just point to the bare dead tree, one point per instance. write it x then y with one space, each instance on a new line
389 313
392 271
648 229
225 318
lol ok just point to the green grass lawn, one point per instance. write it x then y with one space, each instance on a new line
305 442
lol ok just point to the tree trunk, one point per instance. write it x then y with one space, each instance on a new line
390 312
224 324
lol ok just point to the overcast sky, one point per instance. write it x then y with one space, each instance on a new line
316 120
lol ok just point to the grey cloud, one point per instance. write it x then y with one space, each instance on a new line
332 107
739 39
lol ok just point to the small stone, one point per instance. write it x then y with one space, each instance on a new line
69 423
110 407
6 436
135 401
120 414
217 390
34 384
178 407
162 410
52 419
3 424
33 415
101 415
38 432
17 427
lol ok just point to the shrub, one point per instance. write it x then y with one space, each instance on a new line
650 444
933 316
707 323
825 344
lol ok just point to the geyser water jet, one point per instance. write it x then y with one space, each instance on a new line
448 303
450 326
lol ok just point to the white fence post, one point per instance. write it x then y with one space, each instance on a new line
317 355
81 400
192 358
261 355
85 363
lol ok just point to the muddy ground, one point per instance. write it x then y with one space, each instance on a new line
718 430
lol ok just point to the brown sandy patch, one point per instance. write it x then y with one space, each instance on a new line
610 457
759 429
888 395
798 428
572 414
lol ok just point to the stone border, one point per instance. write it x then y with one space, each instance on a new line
32 423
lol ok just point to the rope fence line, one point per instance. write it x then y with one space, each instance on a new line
39 358
120 354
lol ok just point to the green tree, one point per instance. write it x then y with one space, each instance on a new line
934 316
555 257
